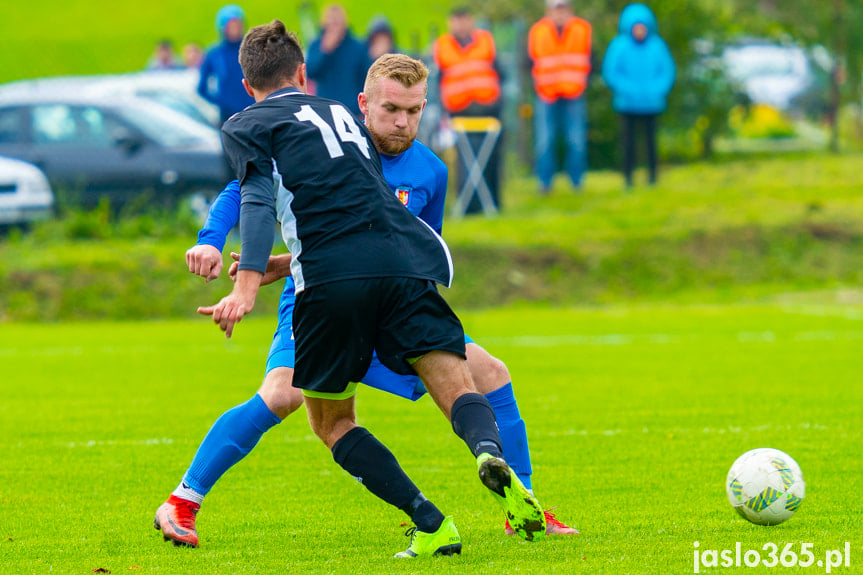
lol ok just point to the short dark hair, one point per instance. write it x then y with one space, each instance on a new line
270 55
461 10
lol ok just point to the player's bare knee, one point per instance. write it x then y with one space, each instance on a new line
279 394
445 375
330 431
488 372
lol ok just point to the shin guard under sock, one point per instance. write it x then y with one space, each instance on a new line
372 464
230 439
513 434
473 420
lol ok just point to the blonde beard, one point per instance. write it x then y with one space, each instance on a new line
385 146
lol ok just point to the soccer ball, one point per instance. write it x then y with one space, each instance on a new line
765 486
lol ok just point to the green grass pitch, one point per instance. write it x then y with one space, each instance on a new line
634 416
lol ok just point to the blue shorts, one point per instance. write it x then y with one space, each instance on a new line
378 375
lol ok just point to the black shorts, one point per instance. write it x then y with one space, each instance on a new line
338 325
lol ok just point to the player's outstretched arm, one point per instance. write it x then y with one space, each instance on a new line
258 217
247 150
205 257
278 267
241 301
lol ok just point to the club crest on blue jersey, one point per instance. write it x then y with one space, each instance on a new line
403 193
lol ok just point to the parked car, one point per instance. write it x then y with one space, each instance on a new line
176 89
770 73
25 194
116 147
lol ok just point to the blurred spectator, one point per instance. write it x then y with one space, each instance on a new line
559 46
380 39
470 86
337 61
221 76
164 58
193 56
640 71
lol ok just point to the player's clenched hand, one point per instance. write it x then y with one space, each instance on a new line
205 261
278 267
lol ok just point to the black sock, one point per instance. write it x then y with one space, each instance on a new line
424 514
473 420
363 456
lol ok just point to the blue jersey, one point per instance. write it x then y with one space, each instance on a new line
223 216
419 179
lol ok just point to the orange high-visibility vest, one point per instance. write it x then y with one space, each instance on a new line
561 61
467 74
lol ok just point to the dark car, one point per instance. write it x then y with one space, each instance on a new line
119 148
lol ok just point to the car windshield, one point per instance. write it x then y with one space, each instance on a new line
168 127
756 61
175 102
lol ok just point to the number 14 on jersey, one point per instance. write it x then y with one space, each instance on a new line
345 126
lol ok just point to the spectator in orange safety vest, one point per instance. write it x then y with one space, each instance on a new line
559 47
470 86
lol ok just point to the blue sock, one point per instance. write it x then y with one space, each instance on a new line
230 439
513 434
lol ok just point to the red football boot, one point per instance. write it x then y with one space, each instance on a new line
176 519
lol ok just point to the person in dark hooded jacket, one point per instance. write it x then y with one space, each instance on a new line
337 61
640 71
380 38
221 80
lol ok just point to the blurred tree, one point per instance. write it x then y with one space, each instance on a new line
833 24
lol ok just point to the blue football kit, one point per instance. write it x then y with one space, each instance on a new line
418 178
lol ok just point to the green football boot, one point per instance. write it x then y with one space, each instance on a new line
522 510
444 541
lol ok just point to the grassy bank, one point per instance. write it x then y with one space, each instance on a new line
730 231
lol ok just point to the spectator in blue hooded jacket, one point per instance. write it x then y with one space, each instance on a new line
640 71
221 76
337 61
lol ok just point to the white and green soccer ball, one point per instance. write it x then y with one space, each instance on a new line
765 486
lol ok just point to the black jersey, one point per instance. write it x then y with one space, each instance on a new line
340 220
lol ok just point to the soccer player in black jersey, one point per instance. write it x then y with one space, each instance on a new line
365 271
